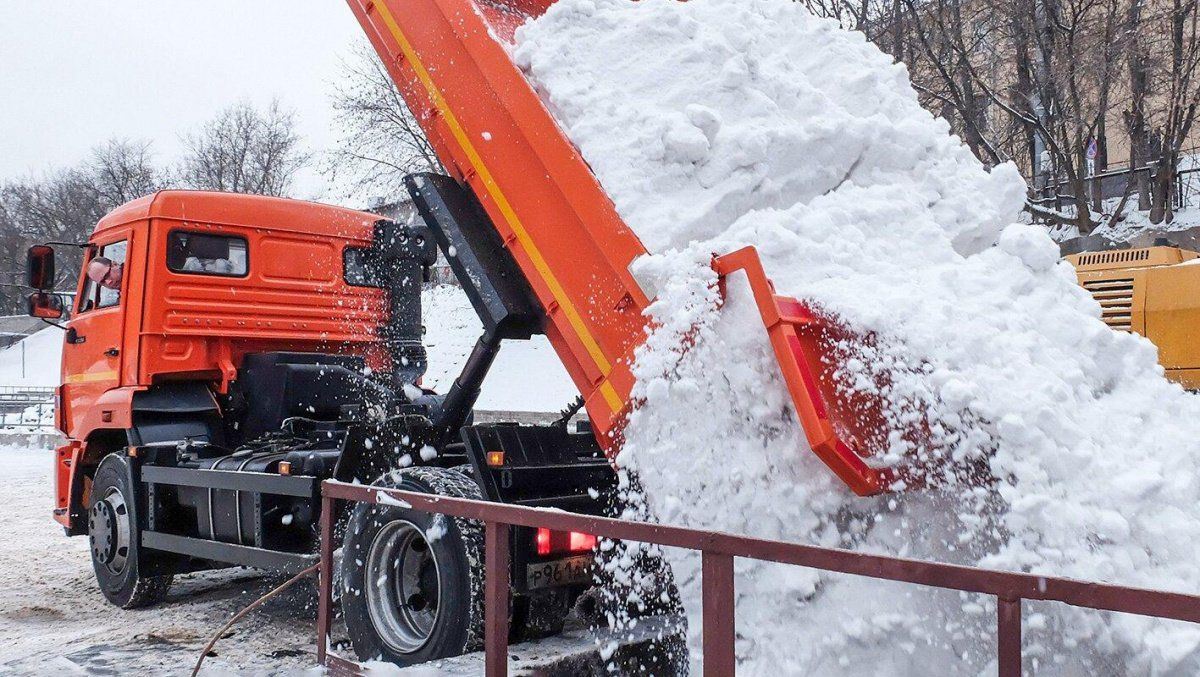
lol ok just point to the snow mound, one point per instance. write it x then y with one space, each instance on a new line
33 362
719 123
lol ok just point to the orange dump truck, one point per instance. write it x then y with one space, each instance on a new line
227 353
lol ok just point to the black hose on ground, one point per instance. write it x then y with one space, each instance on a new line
241 614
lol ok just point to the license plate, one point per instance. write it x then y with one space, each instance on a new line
560 572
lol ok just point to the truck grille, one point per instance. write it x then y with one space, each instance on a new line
1116 300
1120 256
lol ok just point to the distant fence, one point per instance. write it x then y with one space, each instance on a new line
1112 184
26 410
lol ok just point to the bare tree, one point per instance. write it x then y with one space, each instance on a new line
1039 81
1136 123
954 45
66 204
380 141
123 170
1173 61
881 21
61 206
1049 70
243 150
851 14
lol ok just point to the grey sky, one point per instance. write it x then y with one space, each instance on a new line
75 73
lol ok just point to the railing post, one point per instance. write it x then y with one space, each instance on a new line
717 582
495 542
325 578
1008 636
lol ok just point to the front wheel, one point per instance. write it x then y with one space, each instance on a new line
412 582
115 541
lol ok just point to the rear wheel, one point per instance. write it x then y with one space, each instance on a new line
115 541
413 581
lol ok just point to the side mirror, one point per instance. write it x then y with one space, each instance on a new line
45 305
39 264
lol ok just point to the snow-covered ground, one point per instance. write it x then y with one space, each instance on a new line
719 123
53 619
33 362
1135 223
1135 226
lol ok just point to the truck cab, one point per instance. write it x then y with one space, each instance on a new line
227 353
205 279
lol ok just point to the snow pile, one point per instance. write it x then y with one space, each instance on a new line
1134 227
33 362
719 123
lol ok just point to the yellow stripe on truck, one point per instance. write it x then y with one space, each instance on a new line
535 255
92 377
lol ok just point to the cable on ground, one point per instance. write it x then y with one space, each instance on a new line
241 614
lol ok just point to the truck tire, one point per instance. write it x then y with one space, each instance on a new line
115 538
412 581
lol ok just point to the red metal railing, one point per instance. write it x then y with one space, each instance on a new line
718 550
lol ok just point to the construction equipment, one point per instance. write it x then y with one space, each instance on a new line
1152 291
227 353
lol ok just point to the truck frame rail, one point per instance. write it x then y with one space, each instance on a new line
718 551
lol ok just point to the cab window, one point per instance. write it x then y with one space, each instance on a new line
105 275
206 254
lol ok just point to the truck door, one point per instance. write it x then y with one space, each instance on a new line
91 352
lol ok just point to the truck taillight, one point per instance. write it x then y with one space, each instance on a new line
549 542
581 542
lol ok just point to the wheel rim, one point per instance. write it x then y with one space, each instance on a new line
402 586
108 531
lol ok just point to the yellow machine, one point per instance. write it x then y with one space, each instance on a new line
1155 292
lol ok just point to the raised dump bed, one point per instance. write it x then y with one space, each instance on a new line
492 132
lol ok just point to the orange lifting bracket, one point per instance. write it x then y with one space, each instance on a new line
492 132
796 335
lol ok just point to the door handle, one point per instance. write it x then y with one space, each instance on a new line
74 337
112 352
